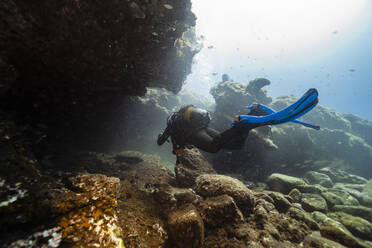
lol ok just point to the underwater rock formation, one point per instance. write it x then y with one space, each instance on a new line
130 199
69 65
98 45
191 165
343 140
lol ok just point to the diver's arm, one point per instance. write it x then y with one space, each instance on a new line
163 136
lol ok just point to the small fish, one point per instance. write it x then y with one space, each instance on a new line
335 32
168 6
214 73
210 47
351 70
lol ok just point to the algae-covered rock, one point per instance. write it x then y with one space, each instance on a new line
186 227
335 231
319 217
313 189
352 189
356 225
366 196
303 216
347 199
360 211
295 194
191 164
283 183
219 211
313 202
313 177
340 176
315 240
332 199
210 185
280 202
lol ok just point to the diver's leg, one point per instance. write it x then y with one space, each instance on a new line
204 141
232 138
212 132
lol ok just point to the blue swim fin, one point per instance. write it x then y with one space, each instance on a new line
269 111
303 105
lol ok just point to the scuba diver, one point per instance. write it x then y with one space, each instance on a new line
189 126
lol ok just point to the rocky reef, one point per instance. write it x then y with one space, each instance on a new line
343 140
130 199
85 83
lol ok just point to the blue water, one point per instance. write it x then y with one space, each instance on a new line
342 71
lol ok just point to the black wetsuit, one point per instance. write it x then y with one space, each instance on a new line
205 138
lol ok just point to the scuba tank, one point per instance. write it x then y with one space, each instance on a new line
196 117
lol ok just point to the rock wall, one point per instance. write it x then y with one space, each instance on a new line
68 65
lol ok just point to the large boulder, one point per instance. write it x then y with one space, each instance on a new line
344 196
210 185
280 202
340 176
315 240
360 211
356 225
335 231
295 194
366 195
353 189
313 189
191 164
219 211
313 177
303 216
186 227
332 199
283 183
313 202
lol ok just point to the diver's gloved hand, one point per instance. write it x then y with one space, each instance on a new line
162 137
256 110
238 123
